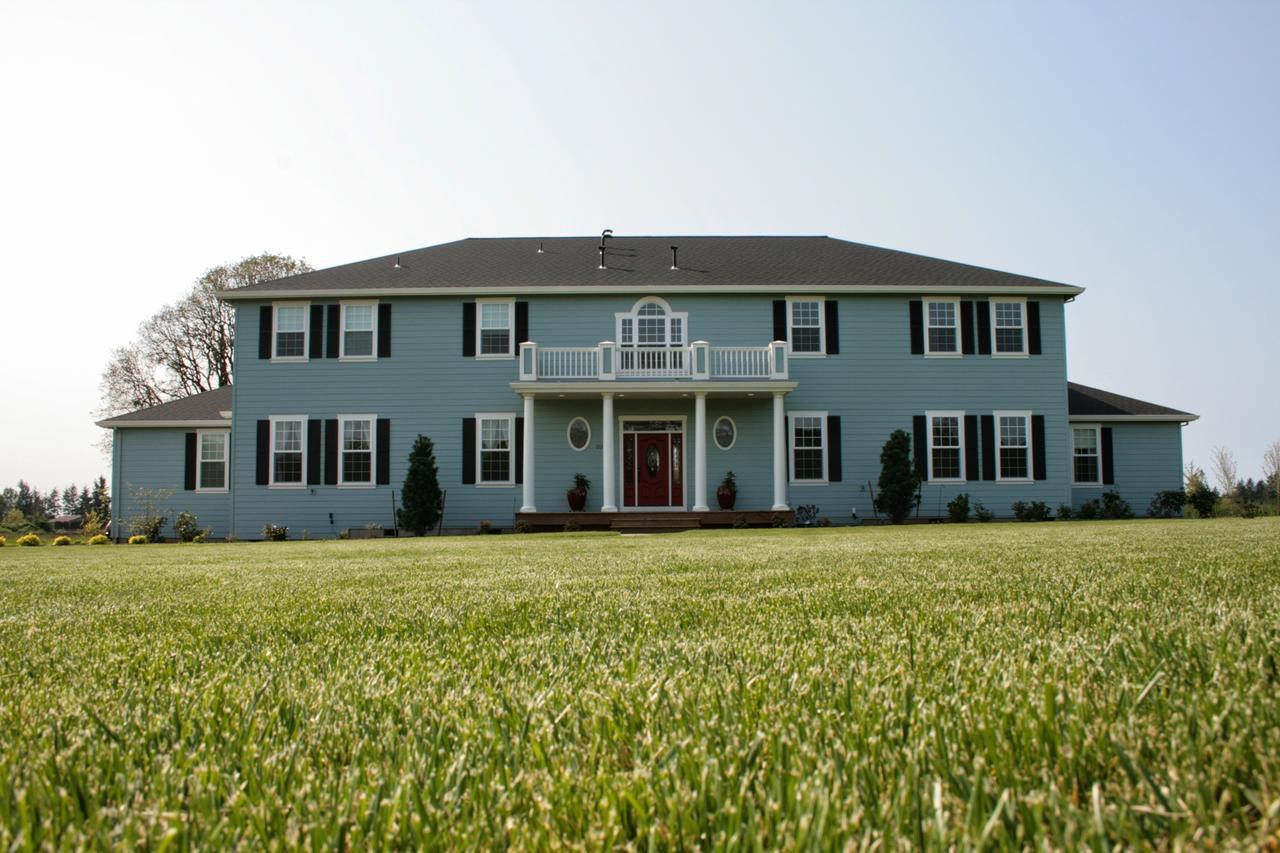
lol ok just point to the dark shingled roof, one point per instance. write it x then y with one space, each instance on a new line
206 406
645 263
1092 402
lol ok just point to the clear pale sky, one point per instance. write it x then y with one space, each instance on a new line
1128 148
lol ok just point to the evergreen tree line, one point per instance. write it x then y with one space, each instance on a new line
22 503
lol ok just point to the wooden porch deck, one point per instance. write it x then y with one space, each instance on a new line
651 522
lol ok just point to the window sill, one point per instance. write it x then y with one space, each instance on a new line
495 485
356 485
221 491
810 482
1076 485
806 355
1015 481
357 358
289 359
1009 355
943 355
292 486
949 481
494 357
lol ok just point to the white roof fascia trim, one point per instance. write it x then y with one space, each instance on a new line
1133 418
125 424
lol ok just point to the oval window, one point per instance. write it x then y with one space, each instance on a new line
726 433
579 433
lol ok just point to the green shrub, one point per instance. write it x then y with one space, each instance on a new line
1114 506
199 539
92 525
522 526
807 515
151 517
484 527
740 522
981 513
273 533
99 539
28 541
420 497
1088 511
1167 504
899 483
1031 511
1249 509
62 540
1064 512
1202 498
138 540
187 526
958 508
780 520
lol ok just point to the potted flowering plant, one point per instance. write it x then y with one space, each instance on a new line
578 494
727 493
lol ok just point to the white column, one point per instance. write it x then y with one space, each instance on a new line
528 455
700 452
779 453
607 488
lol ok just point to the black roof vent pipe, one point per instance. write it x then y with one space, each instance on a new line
674 265
605 235
602 266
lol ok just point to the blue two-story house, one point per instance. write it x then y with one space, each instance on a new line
652 365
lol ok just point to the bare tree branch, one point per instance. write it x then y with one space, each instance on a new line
1225 470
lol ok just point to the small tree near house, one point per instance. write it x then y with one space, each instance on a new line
420 498
899 482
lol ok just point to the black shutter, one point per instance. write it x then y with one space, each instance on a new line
331 452
384 330
469 441
915 309
988 446
984 326
469 331
334 331
1033 328
835 467
921 446
966 328
522 324
519 450
779 319
832 323
971 447
264 453
316 344
1108 460
264 332
189 476
313 452
1037 447
382 465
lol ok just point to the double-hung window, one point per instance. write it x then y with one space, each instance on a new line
288 450
494 331
946 446
495 449
212 467
809 447
356 437
804 326
358 330
1008 322
1014 434
942 319
290 339
1086 469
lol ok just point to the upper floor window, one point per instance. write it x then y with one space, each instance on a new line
1008 321
1014 430
287 450
211 471
290 323
946 446
942 321
652 323
1085 467
809 447
494 334
495 449
804 325
358 329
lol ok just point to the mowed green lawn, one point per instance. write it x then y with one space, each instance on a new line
1007 684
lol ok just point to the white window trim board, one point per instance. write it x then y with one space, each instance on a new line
1025 332
959 327
342 331
226 460
928 421
510 417
512 344
306 332
1097 437
373 451
271 458
791 448
634 316
822 328
1031 462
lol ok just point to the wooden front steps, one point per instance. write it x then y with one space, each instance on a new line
655 522
651 522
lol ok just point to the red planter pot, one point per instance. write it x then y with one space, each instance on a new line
577 500
726 498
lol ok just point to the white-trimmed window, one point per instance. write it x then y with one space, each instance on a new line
579 433
652 323
211 466
355 450
1086 459
942 327
290 337
495 449
1013 436
946 446
808 447
359 331
494 328
805 330
725 432
1009 327
288 450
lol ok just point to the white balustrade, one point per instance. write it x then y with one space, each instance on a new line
696 361
568 362
740 362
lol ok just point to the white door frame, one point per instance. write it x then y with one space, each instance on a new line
684 460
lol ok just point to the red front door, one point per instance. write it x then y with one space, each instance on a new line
653 465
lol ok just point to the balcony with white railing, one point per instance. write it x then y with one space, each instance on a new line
608 361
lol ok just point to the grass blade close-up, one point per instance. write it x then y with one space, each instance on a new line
1059 685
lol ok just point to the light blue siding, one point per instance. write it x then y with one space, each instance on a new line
1147 459
155 459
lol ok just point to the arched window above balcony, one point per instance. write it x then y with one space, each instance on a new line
652 323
